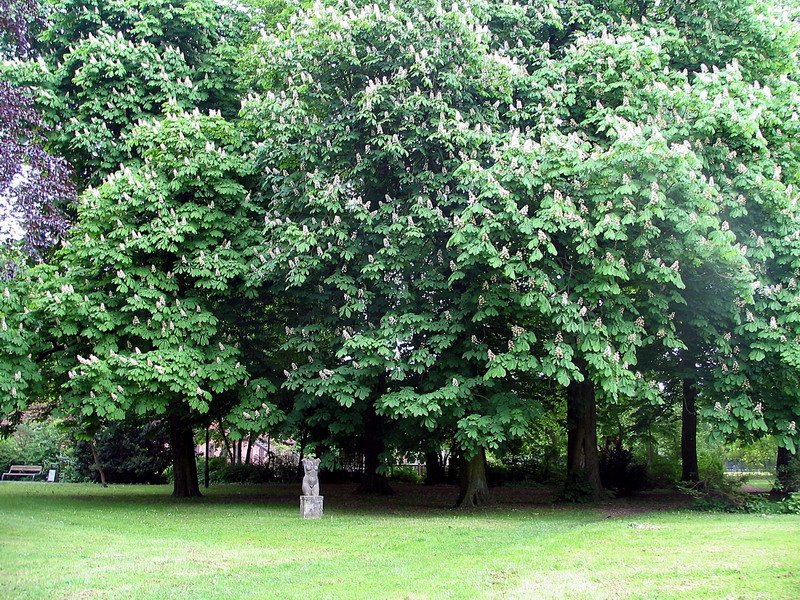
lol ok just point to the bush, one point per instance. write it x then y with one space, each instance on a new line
221 471
663 472
577 489
619 472
525 470
42 443
727 499
705 503
716 491
500 473
333 476
787 479
791 505
128 452
750 503
711 471
68 468
403 474
287 468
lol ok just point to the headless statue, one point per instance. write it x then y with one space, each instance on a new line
310 480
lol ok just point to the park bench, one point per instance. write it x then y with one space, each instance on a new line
22 471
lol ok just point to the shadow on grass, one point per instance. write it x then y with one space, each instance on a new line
410 500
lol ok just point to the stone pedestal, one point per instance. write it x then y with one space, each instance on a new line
311 507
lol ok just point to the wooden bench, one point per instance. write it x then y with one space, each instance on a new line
22 471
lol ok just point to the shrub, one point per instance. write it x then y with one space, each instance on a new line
711 472
499 473
791 505
750 503
787 477
618 470
404 474
128 452
716 491
663 472
705 503
287 468
221 471
577 489
525 470
337 475
36 443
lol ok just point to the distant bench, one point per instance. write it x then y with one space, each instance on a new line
22 471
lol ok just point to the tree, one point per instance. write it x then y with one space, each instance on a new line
721 114
740 115
99 68
35 186
128 452
567 218
131 307
363 114
107 66
606 90
461 207
787 472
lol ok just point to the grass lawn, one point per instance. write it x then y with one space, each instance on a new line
762 483
85 541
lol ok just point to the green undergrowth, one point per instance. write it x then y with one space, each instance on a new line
85 541
749 503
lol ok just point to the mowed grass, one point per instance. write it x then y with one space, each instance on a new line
762 483
85 541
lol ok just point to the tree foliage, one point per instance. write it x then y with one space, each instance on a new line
35 185
99 68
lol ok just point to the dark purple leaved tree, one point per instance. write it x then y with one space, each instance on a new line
35 186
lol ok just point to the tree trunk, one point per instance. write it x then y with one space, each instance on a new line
206 473
689 469
373 482
583 463
454 464
783 479
184 463
300 470
249 453
97 465
225 441
474 490
434 469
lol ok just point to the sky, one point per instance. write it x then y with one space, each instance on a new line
10 218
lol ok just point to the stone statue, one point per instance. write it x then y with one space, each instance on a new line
310 479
